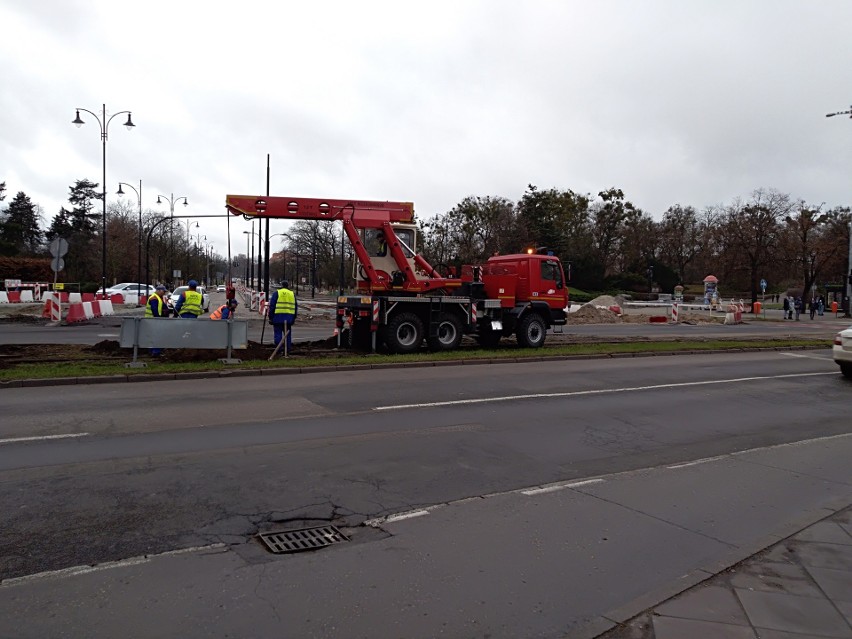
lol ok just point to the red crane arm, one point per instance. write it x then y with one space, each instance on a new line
365 214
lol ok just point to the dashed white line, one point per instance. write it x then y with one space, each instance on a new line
602 391
108 565
696 462
555 487
801 356
15 440
408 515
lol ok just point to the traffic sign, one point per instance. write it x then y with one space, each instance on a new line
57 264
58 247
763 285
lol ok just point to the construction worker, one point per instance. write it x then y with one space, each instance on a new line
282 313
226 311
156 307
383 246
190 303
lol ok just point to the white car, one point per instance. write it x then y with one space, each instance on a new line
842 351
175 296
130 288
220 288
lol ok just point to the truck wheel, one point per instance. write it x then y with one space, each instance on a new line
846 369
403 333
449 333
531 331
489 338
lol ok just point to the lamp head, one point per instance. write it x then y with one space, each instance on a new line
77 121
129 124
119 192
158 200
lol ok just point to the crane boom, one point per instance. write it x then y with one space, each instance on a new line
370 214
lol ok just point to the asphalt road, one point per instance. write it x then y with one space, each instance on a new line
154 467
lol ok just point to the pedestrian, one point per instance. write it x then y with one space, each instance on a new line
797 305
786 307
812 307
282 312
225 312
190 303
230 291
155 308
821 305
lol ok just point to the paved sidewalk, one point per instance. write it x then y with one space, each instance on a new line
796 589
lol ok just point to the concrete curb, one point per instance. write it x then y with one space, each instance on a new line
247 372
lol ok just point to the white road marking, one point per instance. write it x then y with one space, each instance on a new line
696 462
107 334
15 440
555 487
108 565
408 515
823 359
603 391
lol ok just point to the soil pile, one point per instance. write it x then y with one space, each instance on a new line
590 314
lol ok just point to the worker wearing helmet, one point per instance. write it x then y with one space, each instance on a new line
226 311
282 313
190 302
154 308
383 245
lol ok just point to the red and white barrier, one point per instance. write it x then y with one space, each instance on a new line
675 314
4 297
106 307
51 310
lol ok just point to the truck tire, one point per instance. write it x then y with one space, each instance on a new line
488 337
531 331
403 333
449 333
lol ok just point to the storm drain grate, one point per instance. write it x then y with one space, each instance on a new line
304 539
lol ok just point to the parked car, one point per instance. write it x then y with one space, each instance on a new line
842 351
175 296
220 288
130 288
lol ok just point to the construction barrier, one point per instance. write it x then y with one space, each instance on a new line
51 310
106 307
27 296
4 297
14 296
75 313
74 298
87 297
674 313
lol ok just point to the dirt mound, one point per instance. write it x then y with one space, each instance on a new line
109 346
590 314
607 301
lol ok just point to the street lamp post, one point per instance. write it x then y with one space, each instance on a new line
139 258
103 122
250 270
172 200
847 285
189 224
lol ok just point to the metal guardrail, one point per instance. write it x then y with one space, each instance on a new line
139 332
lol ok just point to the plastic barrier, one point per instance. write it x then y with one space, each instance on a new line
64 297
51 310
14 296
87 310
27 296
88 297
74 298
76 313
658 319
118 298
675 318
4 297
106 307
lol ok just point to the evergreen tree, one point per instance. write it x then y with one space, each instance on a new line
20 231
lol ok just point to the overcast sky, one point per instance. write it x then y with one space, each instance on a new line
691 102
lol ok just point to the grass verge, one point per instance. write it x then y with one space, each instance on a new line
36 370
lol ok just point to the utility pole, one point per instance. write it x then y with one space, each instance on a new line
847 285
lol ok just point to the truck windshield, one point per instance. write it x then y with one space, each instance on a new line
551 271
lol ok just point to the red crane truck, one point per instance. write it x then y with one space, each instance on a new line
403 300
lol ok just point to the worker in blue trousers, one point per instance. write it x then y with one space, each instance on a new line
155 308
283 309
190 303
